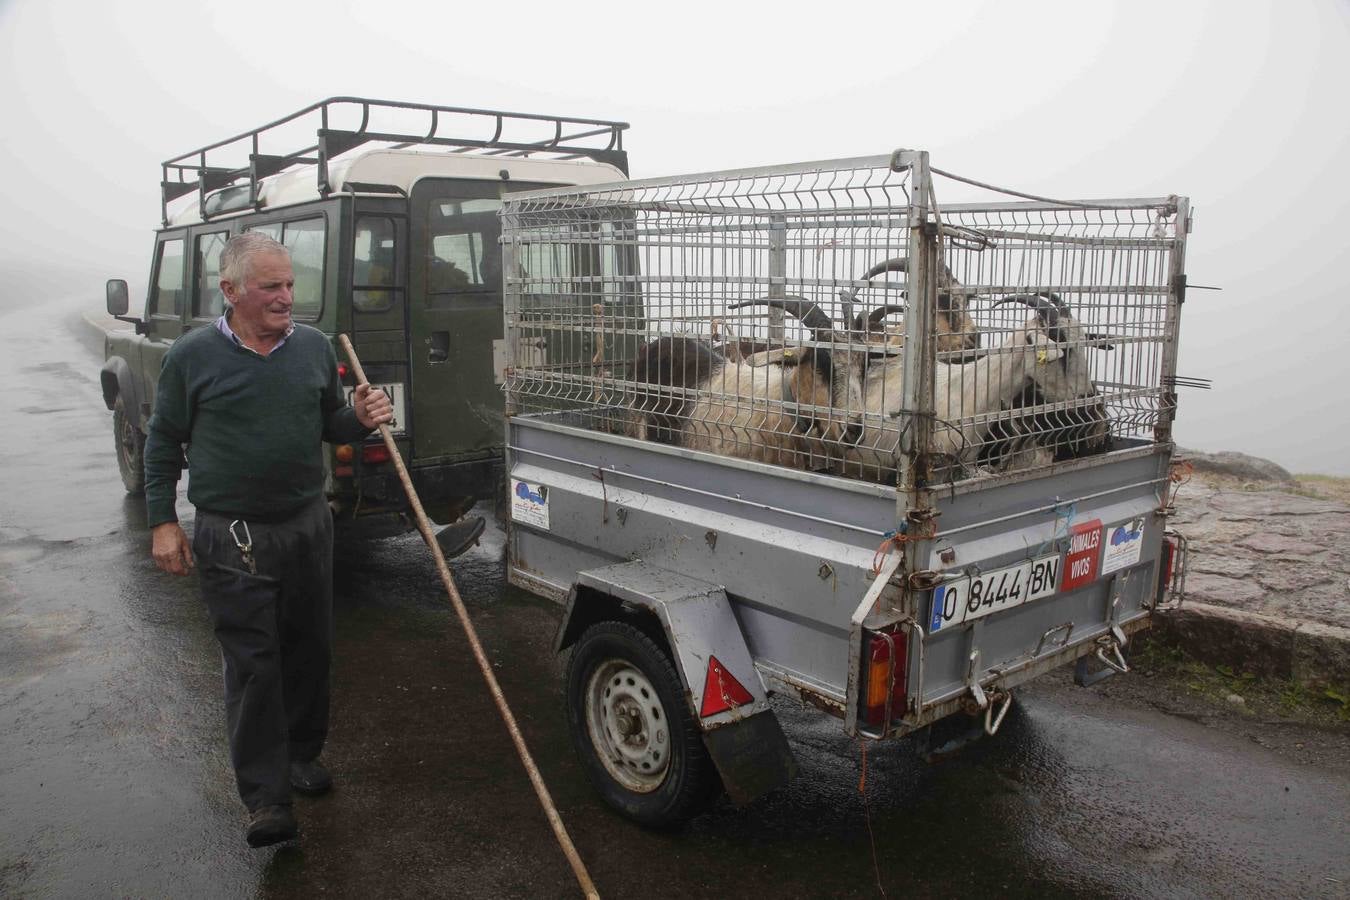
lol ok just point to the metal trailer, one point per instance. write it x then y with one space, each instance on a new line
719 532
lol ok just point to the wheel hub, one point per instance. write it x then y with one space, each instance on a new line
627 725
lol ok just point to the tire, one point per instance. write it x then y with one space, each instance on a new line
639 745
130 446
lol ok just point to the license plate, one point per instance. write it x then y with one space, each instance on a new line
394 392
979 595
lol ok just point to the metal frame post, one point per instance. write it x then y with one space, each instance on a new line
920 357
1176 295
777 274
511 309
914 513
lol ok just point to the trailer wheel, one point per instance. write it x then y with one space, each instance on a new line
640 746
130 445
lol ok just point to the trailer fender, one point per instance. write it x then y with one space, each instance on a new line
721 684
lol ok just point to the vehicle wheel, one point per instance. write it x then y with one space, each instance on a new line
637 741
130 449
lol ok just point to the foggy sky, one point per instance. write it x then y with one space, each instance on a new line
1239 106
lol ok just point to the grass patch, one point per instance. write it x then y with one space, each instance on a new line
1262 696
1323 487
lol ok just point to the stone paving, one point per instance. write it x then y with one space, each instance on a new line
1268 578
1267 551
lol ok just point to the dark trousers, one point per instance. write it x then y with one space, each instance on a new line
275 630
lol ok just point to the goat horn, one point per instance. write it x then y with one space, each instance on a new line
846 298
810 315
895 264
1047 310
875 317
900 264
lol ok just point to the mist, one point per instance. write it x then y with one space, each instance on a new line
1238 107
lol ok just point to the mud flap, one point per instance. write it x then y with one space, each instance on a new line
752 756
721 684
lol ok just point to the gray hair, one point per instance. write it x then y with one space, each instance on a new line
240 249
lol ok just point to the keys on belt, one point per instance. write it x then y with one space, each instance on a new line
245 545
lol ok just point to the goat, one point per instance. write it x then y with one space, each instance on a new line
1023 440
967 391
785 411
955 329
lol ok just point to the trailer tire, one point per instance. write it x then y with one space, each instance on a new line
130 445
634 734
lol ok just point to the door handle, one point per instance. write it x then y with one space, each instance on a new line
439 344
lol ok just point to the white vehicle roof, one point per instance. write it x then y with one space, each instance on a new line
402 169
361 145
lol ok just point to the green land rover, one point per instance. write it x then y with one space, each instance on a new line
390 212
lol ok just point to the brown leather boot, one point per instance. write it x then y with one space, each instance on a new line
271 825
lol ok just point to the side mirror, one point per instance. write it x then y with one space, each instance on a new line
117 297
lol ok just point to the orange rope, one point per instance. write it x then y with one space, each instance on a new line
889 543
894 539
1179 474
862 779
867 815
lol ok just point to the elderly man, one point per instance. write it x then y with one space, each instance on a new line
253 398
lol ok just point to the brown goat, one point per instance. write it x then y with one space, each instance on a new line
955 329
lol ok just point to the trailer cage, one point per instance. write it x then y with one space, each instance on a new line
888 454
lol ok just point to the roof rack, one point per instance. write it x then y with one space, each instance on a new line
200 170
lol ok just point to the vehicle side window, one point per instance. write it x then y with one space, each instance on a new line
545 262
465 257
304 238
377 280
207 302
166 296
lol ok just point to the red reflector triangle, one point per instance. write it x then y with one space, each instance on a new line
721 691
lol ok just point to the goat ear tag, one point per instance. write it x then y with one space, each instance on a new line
1042 357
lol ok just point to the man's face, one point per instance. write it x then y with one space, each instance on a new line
262 303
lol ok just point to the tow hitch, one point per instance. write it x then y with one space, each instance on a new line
980 699
1109 653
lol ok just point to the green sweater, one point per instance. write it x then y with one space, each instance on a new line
253 425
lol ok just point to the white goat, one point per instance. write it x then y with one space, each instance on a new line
1024 439
789 411
964 394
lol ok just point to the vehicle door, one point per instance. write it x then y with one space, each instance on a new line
205 301
165 307
455 316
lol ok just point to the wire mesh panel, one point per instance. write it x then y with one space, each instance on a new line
762 314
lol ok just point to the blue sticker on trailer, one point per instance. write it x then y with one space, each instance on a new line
523 492
939 594
1126 533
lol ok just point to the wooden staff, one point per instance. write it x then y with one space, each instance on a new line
424 525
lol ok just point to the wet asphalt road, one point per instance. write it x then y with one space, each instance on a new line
114 779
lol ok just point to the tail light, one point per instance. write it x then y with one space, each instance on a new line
1173 557
374 453
1169 558
344 453
343 372
886 675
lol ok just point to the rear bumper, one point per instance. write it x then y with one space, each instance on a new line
445 489
1021 672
